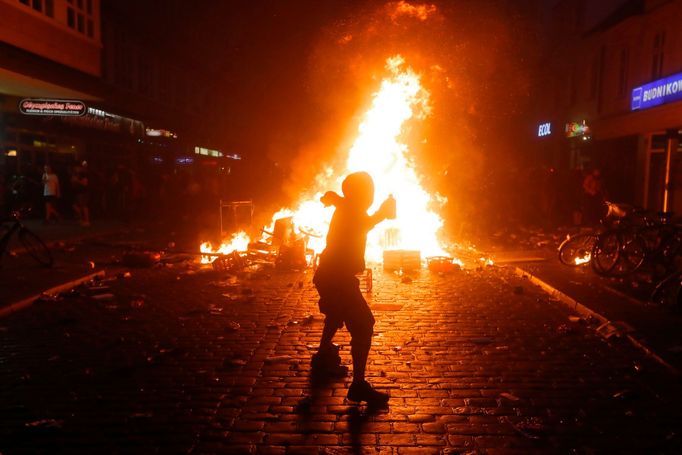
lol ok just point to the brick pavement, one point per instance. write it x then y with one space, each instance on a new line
185 362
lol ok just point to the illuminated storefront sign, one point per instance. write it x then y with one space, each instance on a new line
656 93
575 129
69 108
207 152
544 129
160 133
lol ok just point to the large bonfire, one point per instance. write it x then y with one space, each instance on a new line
381 150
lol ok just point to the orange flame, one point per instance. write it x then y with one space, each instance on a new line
380 151
239 242
583 260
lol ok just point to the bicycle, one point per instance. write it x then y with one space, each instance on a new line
33 245
578 249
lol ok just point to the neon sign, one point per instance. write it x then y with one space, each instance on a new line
661 91
69 108
575 129
544 129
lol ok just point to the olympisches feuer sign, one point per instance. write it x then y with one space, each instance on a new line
57 107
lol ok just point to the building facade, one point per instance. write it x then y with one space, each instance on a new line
598 63
144 104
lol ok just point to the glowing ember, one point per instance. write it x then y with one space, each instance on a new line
379 149
239 242
583 260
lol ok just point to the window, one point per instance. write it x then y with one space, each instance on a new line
623 71
41 6
80 16
70 18
657 55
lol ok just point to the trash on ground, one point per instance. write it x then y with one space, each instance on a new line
232 326
615 328
233 363
46 298
510 396
45 423
108 297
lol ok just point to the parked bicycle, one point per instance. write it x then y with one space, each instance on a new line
32 244
628 239
578 249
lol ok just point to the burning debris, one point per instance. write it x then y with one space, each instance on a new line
296 237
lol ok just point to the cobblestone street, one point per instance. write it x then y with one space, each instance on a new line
186 361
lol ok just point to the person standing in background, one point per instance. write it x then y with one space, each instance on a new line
51 193
80 187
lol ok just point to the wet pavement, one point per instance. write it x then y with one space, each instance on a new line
177 359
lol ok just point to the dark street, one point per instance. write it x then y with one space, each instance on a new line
340 226
189 360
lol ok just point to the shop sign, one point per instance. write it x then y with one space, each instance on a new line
68 108
544 129
575 129
160 133
656 93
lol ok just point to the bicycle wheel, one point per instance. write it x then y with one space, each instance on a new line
632 254
577 250
35 247
606 252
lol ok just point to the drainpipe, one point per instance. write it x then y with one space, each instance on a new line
670 149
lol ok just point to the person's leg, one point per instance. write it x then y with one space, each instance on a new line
328 333
361 327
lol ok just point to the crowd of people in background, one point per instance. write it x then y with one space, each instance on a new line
79 192
542 196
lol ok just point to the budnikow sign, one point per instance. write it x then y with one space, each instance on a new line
70 108
659 92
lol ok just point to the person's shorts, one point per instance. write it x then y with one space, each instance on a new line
342 303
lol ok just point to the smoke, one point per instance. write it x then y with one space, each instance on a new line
471 61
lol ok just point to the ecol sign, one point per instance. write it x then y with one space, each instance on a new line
658 92
544 129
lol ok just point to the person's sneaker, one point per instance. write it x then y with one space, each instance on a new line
363 391
327 363
326 358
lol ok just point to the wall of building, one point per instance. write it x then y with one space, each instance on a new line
65 31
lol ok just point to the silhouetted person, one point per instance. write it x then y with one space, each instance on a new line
80 186
340 298
594 196
51 193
